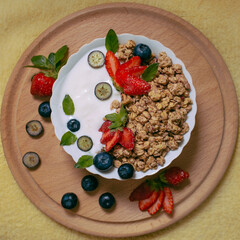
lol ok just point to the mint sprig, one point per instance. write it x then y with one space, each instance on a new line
111 41
50 66
150 72
118 120
84 161
68 138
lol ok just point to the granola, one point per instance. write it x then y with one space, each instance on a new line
157 119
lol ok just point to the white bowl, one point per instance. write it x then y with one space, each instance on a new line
59 119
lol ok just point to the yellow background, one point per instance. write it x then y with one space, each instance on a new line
21 21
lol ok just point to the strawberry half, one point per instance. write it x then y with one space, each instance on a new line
42 85
127 139
147 203
107 136
112 64
136 86
168 200
175 175
157 205
105 126
143 191
113 141
132 62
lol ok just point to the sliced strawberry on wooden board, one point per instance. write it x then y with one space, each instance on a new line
105 126
112 142
42 85
143 191
127 139
168 200
157 205
136 86
147 203
175 175
112 64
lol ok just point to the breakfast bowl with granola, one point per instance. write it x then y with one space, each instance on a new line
123 106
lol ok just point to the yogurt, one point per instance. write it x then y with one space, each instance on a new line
80 84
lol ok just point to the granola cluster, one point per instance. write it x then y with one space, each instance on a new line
158 119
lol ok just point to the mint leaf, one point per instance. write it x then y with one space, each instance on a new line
68 138
41 62
60 54
111 41
51 58
84 161
68 105
118 120
150 72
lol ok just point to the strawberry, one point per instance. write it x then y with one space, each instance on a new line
136 86
147 203
105 126
168 200
157 205
113 141
143 191
127 139
112 64
175 175
107 136
122 74
132 62
42 85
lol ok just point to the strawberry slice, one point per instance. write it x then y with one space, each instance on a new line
105 126
168 200
113 141
147 203
132 62
136 70
122 74
127 139
111 64
143 191
157 205
107 136
175 175
136 86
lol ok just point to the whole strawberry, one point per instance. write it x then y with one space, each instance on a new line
174 175
42 85
42 82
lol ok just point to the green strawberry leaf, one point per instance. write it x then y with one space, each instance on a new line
111 41
150 72
84 161
68 105
68 138
60 54
41 62
51 58
118 120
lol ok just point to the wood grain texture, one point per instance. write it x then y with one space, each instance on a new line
206 156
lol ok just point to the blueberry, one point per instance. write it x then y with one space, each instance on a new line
143 51
125 171
106 200
69 200
103 161
89 183
73 125
44 109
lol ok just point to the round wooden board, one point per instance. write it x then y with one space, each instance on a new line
206 156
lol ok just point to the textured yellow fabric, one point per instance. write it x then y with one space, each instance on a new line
21 21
